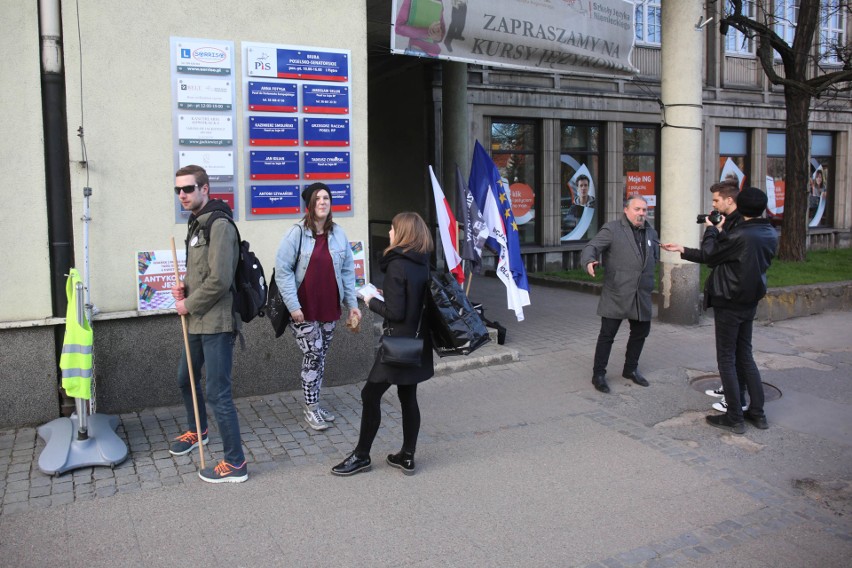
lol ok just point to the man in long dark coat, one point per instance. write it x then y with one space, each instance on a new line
628 248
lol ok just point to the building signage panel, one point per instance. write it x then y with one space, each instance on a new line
273 165
205 130
195 93
272 97
275 199
326 132
326 165
273 131
325 99
304 64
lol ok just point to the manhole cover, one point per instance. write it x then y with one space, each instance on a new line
707 382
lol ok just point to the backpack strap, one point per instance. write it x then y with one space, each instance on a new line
205 230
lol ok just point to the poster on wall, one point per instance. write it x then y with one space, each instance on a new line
312 86
730 171
204 114
155 278
578 216
360 263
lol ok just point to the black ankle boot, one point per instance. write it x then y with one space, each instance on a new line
402 460
352 464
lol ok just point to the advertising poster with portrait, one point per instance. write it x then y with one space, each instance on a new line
579 202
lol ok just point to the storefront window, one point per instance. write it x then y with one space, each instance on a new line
514 148
776 163
820 200
733 156
581 148
640 166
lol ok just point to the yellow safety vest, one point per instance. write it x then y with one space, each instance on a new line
76 360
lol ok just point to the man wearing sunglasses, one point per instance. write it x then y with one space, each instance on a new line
205 298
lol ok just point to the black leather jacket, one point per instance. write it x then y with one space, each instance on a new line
739 260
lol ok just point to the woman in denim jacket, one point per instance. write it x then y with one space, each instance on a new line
315 272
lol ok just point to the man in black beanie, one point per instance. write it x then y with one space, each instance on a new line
738 260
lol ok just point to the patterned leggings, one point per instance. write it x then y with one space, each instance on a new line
313 338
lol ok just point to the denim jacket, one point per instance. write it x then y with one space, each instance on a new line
289 277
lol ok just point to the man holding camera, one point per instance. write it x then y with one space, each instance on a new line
724 203
738 259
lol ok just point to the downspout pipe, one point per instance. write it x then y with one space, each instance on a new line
56 161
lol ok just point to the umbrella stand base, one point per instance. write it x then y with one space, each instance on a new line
64 452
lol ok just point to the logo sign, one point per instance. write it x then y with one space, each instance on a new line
204 57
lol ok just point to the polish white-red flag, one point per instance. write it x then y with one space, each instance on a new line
447 228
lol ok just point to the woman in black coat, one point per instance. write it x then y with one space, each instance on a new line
406 267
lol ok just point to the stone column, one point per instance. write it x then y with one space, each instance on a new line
455 127
682 80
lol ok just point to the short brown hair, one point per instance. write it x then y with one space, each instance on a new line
727 188
411 233
199 173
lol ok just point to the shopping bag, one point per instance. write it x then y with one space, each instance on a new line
455 326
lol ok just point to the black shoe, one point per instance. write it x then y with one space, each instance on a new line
403 461
352 464
600 383
722 421
758 422
636 377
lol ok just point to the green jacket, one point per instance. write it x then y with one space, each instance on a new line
210 269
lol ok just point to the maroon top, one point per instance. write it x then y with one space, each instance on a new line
318 292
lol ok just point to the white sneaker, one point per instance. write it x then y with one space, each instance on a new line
326 415
315 420
718 393
722 406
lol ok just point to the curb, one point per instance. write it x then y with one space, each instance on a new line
778 305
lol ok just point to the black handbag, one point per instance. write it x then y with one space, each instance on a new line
276 310
403 352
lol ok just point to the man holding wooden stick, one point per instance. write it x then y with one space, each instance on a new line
204 299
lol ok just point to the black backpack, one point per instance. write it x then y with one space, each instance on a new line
249 288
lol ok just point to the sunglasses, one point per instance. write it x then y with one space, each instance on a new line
185 188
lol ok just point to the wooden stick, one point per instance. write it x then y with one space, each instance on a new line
189 362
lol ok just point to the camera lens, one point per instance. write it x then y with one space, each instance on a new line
700 219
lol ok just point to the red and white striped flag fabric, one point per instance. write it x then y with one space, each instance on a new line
447 226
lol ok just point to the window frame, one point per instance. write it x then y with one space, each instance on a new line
641 18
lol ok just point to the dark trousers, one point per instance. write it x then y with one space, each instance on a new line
639 330
371 416
736 362
215 352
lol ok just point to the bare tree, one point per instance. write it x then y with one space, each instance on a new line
804 78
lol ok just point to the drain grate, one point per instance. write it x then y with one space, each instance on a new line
706 382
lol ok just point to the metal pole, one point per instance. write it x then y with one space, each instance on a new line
80 403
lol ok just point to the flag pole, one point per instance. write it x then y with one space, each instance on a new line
189 362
